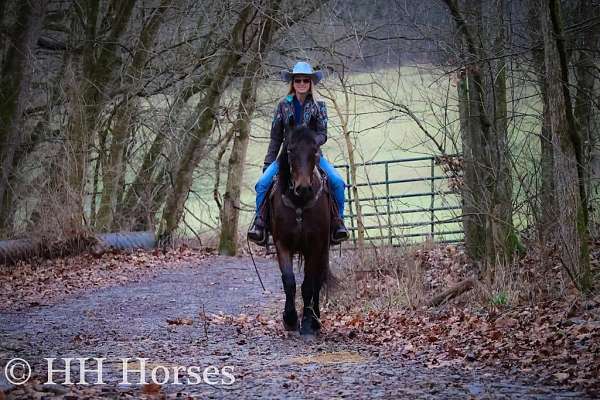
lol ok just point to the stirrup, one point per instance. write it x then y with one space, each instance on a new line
257 233
257 236
340 234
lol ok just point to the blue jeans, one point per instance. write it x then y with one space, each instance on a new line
335 182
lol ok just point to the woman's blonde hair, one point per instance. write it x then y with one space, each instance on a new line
312 91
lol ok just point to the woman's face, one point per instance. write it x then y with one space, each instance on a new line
302 84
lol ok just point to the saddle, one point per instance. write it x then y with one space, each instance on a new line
266 209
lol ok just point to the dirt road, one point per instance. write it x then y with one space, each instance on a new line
133 321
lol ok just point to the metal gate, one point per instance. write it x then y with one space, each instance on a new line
405 200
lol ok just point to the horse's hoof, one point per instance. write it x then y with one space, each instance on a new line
290 327
308 333
290 321
308 337
307 329
316 325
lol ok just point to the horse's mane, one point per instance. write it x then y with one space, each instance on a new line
297 135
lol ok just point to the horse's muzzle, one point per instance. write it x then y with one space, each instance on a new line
303 191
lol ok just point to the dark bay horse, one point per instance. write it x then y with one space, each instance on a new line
300 224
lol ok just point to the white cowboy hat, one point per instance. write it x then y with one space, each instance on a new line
302 68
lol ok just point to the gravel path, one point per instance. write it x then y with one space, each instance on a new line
131 321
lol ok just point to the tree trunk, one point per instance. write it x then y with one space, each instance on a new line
230 213
502 240
487 193
571 218
546 202
472 204
344 118
360 225
15 84
237 159
585 82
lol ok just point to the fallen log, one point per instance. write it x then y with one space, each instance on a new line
452 292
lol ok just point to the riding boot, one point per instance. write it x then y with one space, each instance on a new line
340 233
257 231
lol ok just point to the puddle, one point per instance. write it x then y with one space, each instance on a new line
329 358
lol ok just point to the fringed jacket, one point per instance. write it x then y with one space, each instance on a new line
315 112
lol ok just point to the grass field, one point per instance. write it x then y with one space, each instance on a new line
379 132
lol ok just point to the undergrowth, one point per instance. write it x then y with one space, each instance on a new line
408 277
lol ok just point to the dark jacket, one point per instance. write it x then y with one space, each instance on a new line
315 116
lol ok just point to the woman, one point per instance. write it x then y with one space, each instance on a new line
300 105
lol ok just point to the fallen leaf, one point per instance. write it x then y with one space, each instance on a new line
506 322
561 376
151 388
180 321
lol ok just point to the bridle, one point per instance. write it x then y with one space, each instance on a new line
311 203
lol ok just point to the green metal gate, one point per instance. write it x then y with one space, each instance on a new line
405 200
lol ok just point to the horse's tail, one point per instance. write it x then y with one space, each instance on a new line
332 282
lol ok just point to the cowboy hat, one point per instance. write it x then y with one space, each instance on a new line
302 68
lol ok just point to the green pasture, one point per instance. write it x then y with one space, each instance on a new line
379 132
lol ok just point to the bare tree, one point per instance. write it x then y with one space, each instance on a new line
343 111
201 126
15 92
571 222
114 169
88 73
247 104
487 194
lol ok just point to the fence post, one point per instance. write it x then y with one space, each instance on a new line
387 197
432 206
349 187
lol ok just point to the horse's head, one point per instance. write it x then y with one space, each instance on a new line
302 156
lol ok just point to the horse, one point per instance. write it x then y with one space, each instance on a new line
300 224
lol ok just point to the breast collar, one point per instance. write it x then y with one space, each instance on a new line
311 203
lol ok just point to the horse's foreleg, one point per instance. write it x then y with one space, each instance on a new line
310 311
290 316
316 304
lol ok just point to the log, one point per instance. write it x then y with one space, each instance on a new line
454 291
